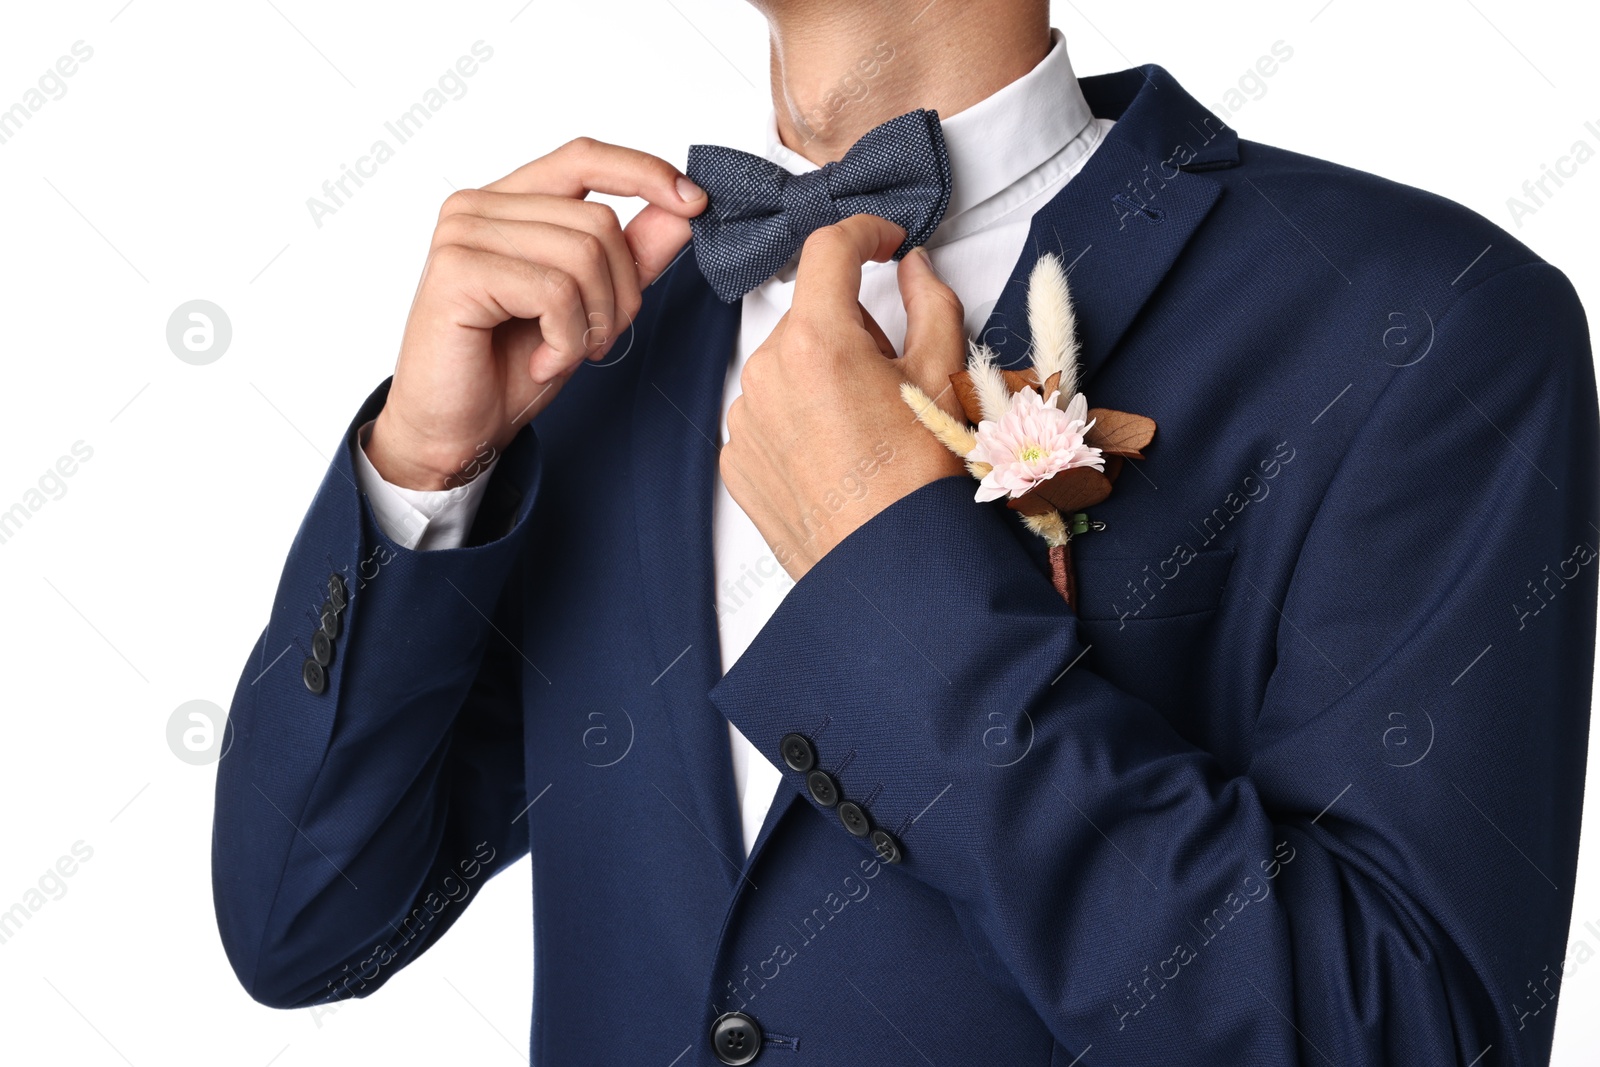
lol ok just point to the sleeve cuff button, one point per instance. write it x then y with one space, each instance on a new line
798 752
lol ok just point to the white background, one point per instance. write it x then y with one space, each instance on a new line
177 166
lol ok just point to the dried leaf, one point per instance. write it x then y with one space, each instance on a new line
1030 503
1071 490
966 391
1119 433
1018 380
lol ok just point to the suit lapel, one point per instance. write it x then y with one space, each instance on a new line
785 799
1121 223
676 440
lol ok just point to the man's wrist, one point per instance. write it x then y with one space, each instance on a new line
401 462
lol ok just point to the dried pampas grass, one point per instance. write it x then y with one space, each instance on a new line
954 434
1053 326
1050 526
994 396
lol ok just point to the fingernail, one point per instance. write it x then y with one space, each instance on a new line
689 191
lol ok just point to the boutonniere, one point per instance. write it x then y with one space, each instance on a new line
1030 437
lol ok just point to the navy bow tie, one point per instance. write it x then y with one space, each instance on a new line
760 214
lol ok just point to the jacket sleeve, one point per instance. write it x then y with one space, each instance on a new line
1326 905
353 825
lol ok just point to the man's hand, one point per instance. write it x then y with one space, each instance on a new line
820 440
525 280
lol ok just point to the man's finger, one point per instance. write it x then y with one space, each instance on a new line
585 166
500 287
587 216
936 336
579 254
828 282
880 338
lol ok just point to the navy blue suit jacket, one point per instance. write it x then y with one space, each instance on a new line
1299 782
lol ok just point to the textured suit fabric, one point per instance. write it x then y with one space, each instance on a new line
1299 782
759 214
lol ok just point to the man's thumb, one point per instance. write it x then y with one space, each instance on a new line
936 338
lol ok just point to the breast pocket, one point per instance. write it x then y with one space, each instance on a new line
1148 620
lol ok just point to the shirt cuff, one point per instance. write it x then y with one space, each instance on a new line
421 519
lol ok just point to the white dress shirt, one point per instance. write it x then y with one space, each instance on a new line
1009 155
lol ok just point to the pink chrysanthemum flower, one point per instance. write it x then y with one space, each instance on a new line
1033 441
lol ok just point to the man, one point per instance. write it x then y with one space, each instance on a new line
814 763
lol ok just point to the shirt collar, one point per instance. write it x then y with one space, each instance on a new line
1000 139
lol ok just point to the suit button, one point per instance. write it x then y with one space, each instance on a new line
338 595
887 848
321 648
735 1038
330 619
823 789
798 753
855 818
315 677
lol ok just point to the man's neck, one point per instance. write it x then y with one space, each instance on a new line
841 67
